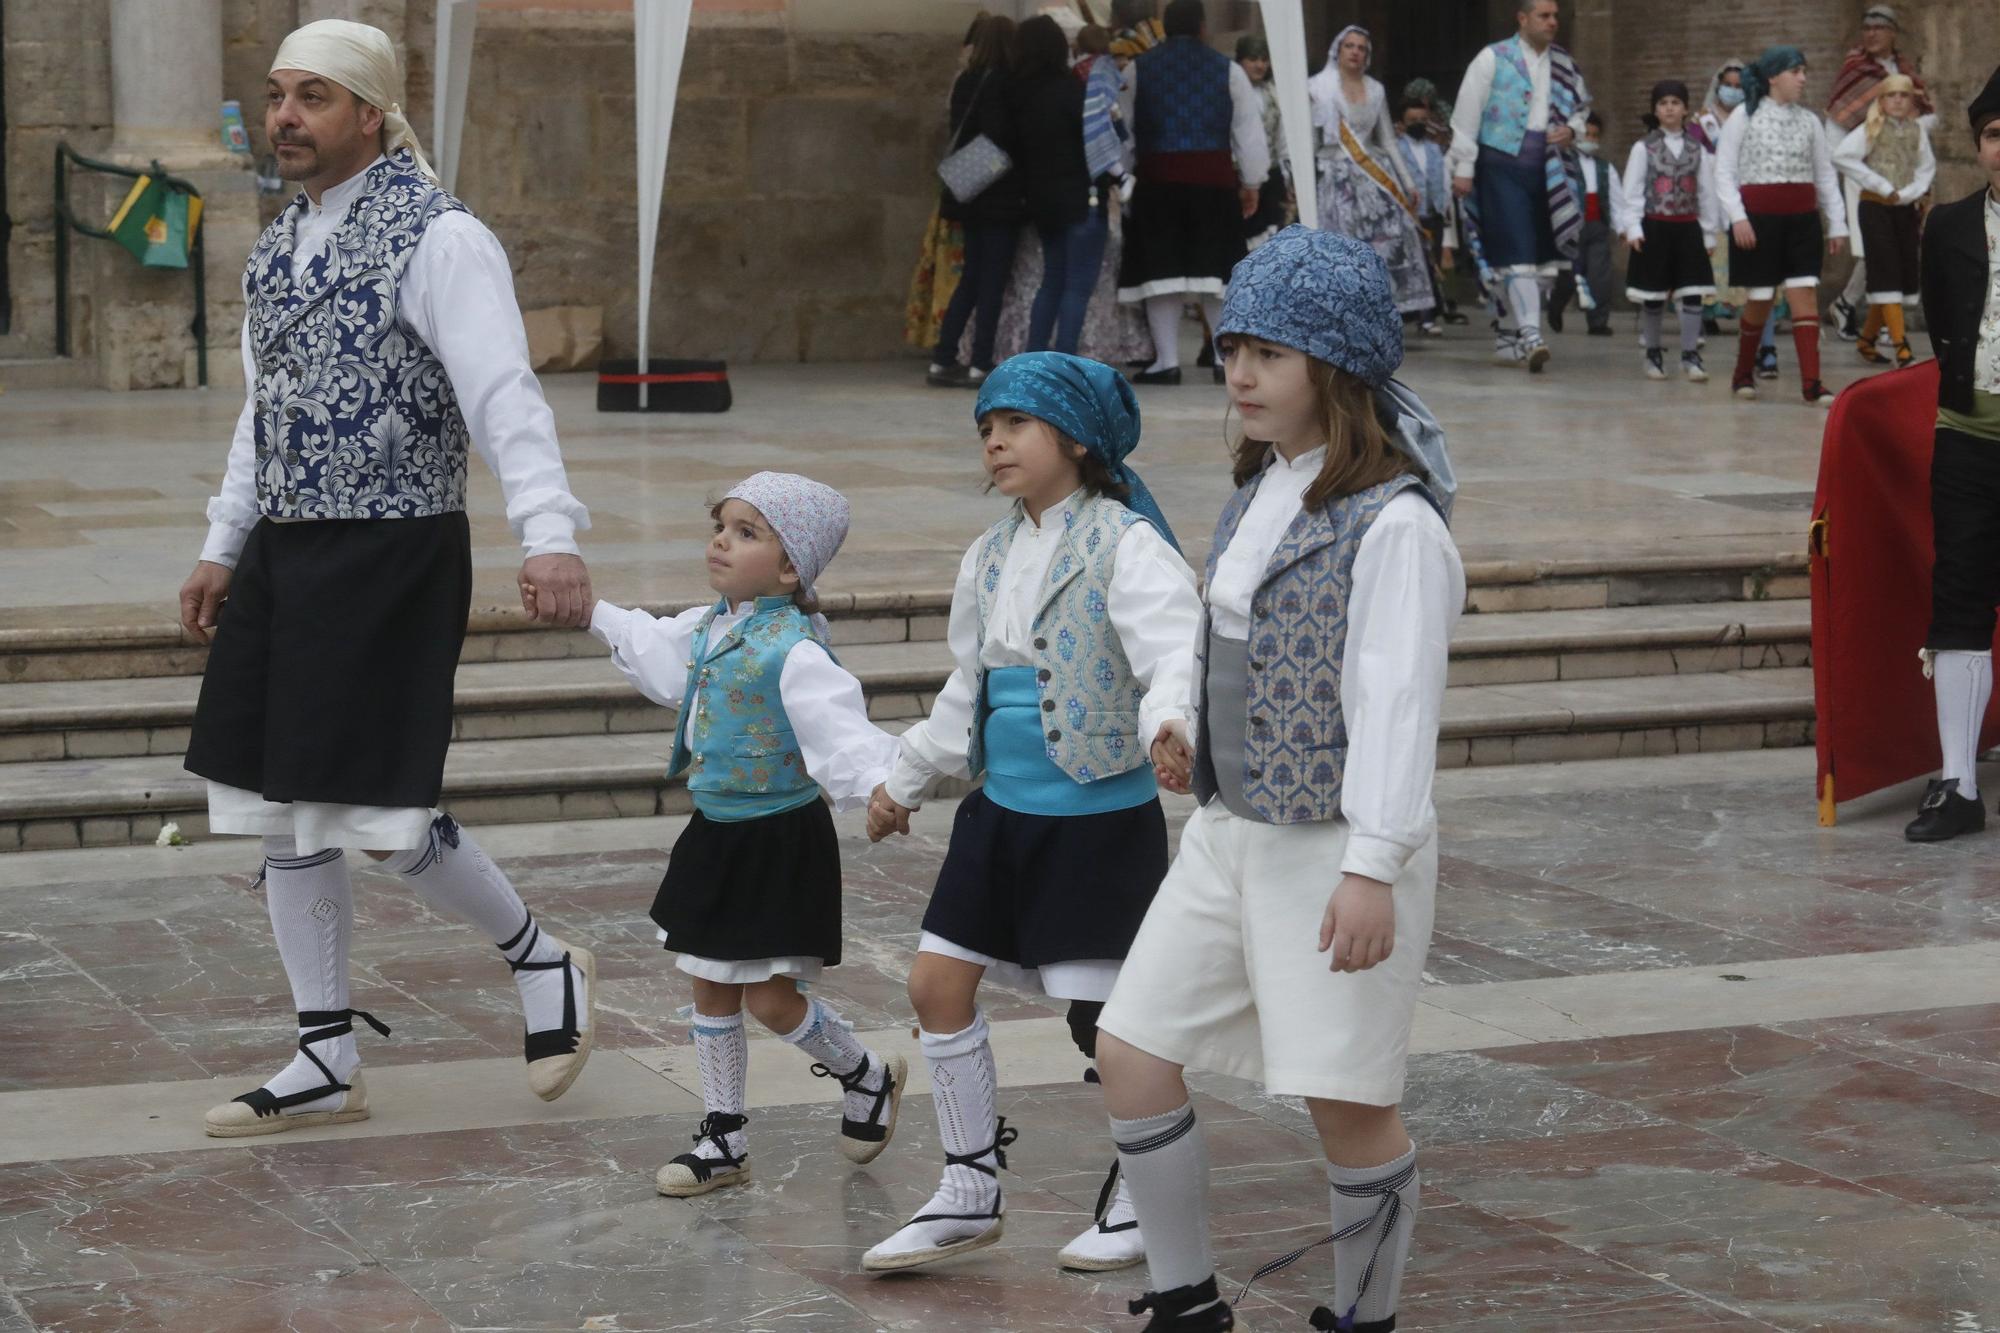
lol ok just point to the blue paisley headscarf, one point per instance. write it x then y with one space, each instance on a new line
1085 400
1757 78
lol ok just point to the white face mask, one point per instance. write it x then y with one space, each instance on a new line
1588 147
1728 96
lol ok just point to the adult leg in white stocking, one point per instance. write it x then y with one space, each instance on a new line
965 1212
1114 1240
1524 303
1964 683
1163 317
558 982
311 902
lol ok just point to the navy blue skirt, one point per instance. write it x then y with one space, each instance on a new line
1513 195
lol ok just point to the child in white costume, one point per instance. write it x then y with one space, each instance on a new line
770 724
1070 625
1333 586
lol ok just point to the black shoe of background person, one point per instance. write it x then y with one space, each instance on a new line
1767 363
1171 375
1205 357
1709 328
1945 814
947 377
1453 315
1554 318
1601 330
1846 319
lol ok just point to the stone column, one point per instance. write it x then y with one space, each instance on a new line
166 103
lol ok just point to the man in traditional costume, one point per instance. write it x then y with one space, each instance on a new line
1198 128
1520 110
381 345
1855 89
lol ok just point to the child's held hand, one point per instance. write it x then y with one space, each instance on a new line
1173 757
1359 925
530 594
885 815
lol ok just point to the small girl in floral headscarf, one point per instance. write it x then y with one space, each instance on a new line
769 724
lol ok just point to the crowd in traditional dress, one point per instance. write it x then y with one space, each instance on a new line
1116 212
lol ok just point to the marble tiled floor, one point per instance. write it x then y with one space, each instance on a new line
1686 1061
102 495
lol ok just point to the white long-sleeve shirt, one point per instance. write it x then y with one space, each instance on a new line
1154 609
1408 591
1851 158
845 753
1730 176
1477 86
1638 179
457 293
1247 143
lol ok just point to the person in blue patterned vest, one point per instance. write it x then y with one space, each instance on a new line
1071 627
1333 585
381 345
771 728
1202 158
1521 109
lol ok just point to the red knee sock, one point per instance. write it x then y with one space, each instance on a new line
1746 349
1805 337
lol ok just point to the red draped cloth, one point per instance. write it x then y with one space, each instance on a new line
1871 589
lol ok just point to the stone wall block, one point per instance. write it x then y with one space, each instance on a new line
61 82
824 145
902 64
732 62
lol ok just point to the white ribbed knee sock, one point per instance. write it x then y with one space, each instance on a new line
1163 317
1380 1204
1964 684
827 1038
1164 1162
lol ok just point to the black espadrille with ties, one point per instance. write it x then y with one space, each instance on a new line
263 1112
694 1173
862 1141
1194 1309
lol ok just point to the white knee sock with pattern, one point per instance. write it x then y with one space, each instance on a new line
451 873
830 1040
1964 684
1378 1204
311 902
965 1094
722 1049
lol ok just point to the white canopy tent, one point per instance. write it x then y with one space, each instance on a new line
660 31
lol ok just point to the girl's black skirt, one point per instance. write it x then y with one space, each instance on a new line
754 888
1670 264
1039 889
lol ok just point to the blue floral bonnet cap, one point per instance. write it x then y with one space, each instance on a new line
1085 400
1328 296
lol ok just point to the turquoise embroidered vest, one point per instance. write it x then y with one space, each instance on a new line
355 416
1089 696
1503 124
1295 744
740 756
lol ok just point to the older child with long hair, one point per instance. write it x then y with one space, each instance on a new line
1070 626
771 727
1287 943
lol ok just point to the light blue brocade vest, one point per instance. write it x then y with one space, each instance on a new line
1295 738
1083 712
354 414
1503 123
742 760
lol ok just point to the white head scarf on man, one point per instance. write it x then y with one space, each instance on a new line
362 60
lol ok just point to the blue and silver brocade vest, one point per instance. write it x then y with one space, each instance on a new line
1089 697
355 416
1503 122
741 758
1295 743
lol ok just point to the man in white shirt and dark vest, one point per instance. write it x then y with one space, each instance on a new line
381 343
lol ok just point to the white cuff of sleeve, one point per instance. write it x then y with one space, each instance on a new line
224 543
604 617
549 534
1376 858
908 782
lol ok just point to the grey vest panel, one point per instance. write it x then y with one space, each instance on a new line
1220 756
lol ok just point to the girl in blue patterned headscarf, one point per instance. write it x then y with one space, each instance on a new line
1087 401
1071 620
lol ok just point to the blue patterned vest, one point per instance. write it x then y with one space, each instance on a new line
740 756
1089 696
1503 124
1295 747
1183 104
355 416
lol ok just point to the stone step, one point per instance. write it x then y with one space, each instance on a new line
124 646
102 719
19 374
98 802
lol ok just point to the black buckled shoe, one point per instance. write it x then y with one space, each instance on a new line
1171 375
1196 1309
1945 814
862 1141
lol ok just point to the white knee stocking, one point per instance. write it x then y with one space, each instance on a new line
1163 317
311 902
1964 684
